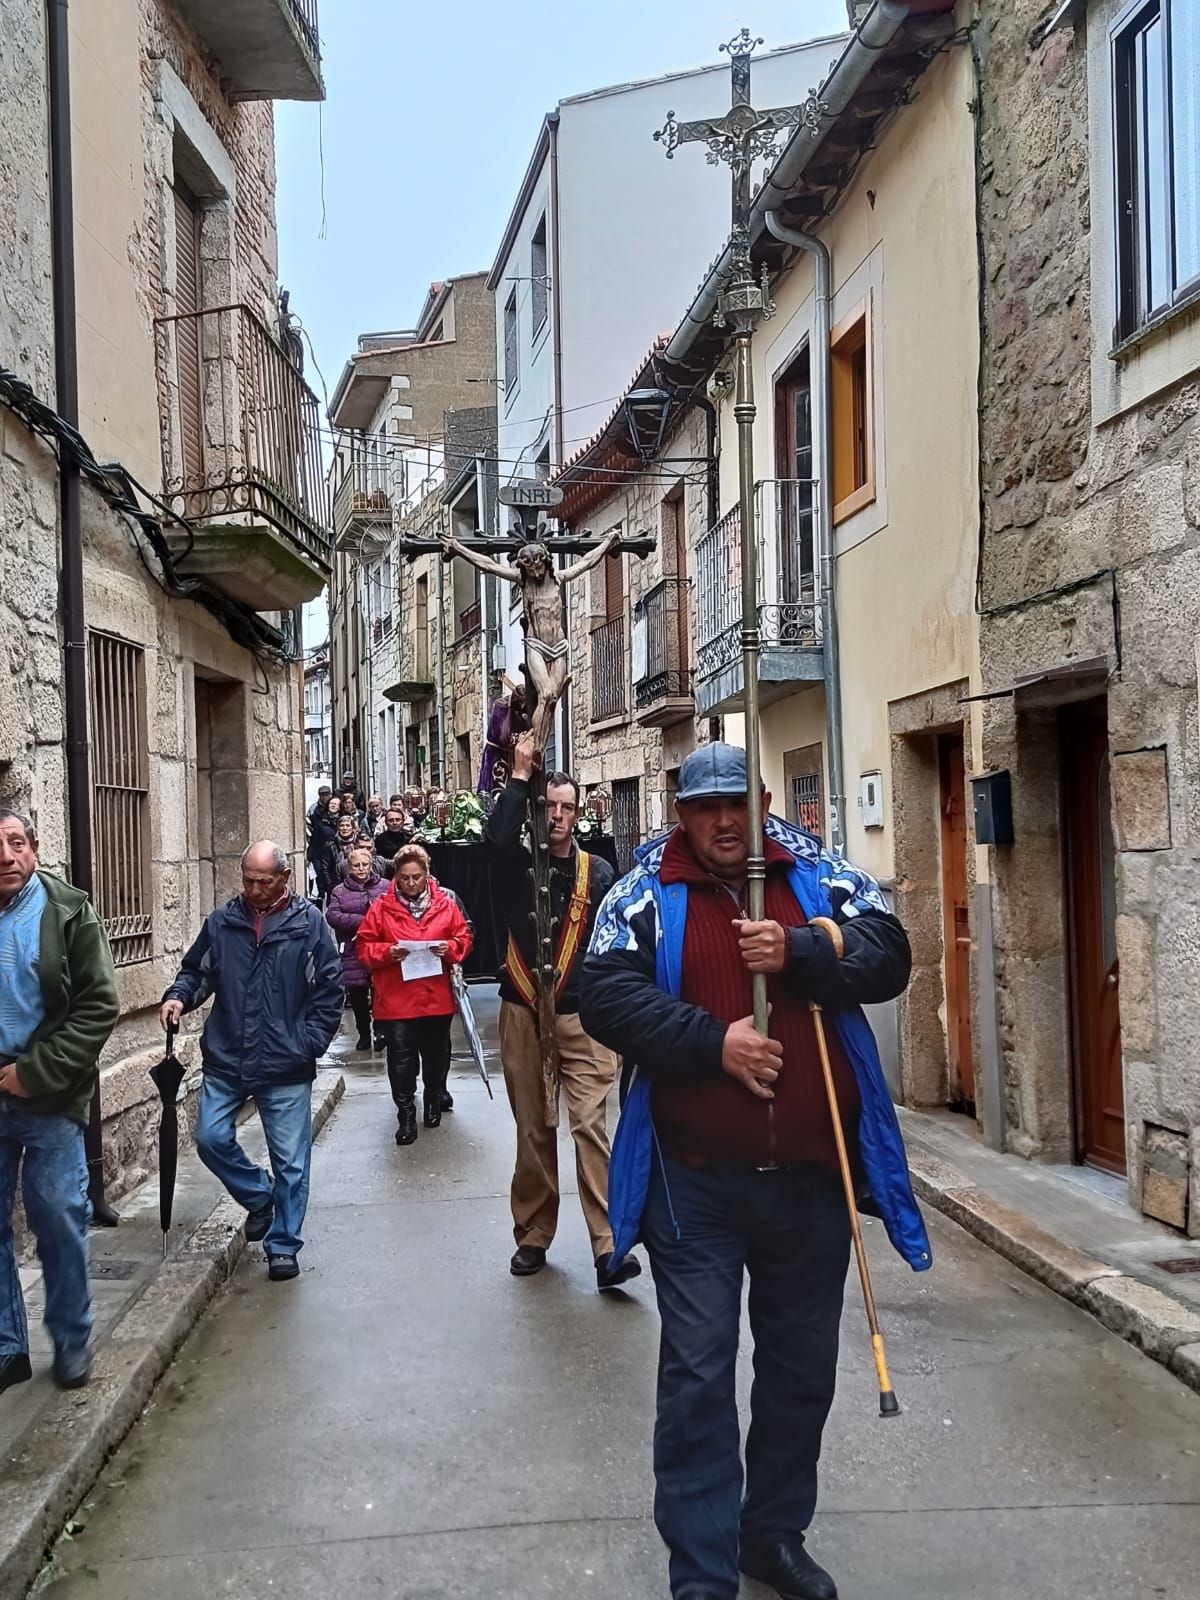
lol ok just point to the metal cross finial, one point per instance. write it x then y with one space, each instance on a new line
741 137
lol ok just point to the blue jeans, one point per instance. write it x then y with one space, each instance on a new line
54 1187
704 1229
286 1115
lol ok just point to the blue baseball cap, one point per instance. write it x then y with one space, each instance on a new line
714 769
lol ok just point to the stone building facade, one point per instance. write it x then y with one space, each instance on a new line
195 719
1089 593
416 453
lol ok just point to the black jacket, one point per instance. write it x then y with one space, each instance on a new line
512 891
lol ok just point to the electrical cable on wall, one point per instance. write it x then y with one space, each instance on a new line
117 486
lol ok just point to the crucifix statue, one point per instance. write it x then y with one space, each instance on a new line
547 670
739 138
543 614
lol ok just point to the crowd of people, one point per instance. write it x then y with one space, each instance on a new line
725 1163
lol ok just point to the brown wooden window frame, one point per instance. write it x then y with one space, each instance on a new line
852 411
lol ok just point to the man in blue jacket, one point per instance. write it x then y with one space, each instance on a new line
268 958
725 1163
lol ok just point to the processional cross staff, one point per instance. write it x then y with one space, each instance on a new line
739 138
547 668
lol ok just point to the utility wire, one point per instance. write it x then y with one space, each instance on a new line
117 486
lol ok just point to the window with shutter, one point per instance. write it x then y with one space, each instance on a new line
188 302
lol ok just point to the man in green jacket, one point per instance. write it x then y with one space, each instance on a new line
58 1005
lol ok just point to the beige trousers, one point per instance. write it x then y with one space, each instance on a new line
588 1073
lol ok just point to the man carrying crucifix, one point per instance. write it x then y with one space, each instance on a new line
587 1071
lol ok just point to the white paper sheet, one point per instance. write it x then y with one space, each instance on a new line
420 962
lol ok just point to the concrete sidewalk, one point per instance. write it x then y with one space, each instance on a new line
408 1421
53 1445
1072 1229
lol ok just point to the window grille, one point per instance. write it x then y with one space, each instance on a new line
806 802
120 798
626 821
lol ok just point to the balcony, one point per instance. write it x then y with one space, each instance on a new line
241 459
662 671
362 501
789 616
610 697
263 49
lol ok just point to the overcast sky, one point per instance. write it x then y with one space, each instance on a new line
429 123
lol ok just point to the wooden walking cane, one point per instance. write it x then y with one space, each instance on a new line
889 1406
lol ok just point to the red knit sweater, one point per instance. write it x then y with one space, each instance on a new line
717 1119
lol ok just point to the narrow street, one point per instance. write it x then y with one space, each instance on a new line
409 1421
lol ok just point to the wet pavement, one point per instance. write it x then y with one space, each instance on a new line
409 1421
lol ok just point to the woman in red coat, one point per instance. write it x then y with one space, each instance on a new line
415 1011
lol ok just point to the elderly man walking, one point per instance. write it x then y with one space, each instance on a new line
725 1160
58 1005
268 959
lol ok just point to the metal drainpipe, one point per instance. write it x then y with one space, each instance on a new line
66 384
441 671
829 621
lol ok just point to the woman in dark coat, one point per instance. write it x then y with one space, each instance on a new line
349 902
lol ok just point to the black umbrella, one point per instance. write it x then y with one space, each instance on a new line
167 1075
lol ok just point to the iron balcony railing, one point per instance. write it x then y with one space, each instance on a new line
662 670
240 427
609 695
788 610
304 14
364 490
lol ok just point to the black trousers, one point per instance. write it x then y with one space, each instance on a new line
359 997
418 1043
705 1230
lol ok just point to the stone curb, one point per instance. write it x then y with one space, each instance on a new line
1161 1327
56 1461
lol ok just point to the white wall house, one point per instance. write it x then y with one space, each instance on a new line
606 240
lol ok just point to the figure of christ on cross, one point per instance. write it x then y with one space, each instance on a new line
543 614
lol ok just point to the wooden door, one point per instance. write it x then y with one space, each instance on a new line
188 303
1091 899
956 921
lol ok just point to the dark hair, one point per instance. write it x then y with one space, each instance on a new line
7 815
556 781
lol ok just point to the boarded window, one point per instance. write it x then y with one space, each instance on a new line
120 857
539 282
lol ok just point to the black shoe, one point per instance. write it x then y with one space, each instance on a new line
103 1215
609 1276
406 1123
446 1100
72 1368
364 1043
433 1113
380 1045
787 1567
14 1369
526 1260
281 1268
258 1223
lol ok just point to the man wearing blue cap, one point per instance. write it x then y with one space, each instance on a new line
725 1161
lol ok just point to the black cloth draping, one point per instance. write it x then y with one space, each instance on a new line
464 868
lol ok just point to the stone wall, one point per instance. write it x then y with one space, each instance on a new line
1092 552
623 747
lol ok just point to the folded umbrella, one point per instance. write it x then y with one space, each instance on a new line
462 1000
168 1075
